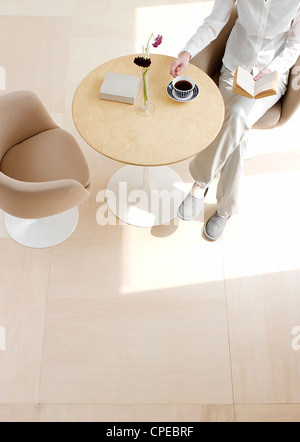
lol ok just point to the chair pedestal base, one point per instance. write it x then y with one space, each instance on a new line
42 232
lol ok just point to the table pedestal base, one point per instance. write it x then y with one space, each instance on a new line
145 196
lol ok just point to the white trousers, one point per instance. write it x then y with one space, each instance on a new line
226 153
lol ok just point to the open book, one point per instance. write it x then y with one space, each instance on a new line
244 84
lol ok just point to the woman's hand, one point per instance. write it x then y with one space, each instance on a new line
178 66
262 74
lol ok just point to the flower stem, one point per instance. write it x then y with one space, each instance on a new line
145 92
150 39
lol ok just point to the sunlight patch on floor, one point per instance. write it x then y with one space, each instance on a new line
189 262
264 237
254 243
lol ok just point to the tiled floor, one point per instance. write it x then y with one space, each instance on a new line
120 323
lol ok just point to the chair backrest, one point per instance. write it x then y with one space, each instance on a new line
291 99
22 115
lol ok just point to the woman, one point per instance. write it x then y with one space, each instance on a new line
265 38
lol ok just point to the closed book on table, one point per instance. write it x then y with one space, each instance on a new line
120 87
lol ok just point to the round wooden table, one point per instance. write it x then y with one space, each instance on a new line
139 193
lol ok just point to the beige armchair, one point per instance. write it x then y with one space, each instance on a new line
43 173
210 61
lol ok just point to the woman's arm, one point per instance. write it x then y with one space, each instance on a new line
179 65
207 32
211 27
288 57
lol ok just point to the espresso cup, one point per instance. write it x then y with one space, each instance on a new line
183 86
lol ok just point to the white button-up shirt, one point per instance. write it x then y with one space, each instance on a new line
266 34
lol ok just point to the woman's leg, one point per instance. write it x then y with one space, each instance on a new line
225 153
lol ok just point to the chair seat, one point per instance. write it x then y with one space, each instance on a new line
48 156
270 118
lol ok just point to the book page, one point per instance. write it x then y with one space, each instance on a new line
245 80
266 83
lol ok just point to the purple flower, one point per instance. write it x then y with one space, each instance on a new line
142 62
157 41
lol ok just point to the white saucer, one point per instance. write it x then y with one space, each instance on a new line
191 96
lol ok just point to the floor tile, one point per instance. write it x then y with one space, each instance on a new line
268 413
38 59
135 413
263 312
23 294
137 349
108 267
262 279
75 413
18 413
174 413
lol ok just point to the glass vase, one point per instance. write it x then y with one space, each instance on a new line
145 108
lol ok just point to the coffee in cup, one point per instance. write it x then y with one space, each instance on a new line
183 86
